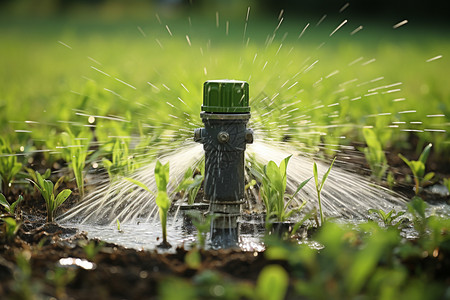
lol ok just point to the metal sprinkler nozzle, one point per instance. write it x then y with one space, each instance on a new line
225 113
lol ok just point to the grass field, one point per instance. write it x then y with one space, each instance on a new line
318 88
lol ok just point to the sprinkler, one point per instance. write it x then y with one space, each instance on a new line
225 113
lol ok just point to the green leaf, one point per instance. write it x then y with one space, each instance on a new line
273 174
301 186
4 202
425 153
57 184
272 283
140 184
283 171
407 161
324 178
40 180
428 177
161 175
47 174
163 200
62 196
371 139
48 190
13 206
316 176
417 206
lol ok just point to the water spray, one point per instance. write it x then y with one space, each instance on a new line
225 113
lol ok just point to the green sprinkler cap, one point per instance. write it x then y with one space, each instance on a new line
225 96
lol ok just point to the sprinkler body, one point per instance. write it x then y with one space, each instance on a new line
225 113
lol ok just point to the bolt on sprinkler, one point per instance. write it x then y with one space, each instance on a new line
225 113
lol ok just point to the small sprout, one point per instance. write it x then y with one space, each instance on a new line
48 192
118 226
390 180
121 162
191 183
9 167
388 218
417 207
161 197
75 151
418 168
374 154
11 227
273 191
319 186
10 208
202 224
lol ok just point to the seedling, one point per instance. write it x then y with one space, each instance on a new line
190 185
48 191
121 162
388 218
202 224
118 226
11 227
10 208
161 197
273 191
417 208
9 166
418 168
75 151
374 154
319 186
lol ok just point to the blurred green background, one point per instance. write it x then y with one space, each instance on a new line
144 62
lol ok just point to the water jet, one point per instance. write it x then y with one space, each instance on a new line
225 113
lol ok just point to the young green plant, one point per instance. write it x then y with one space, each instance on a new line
10 208
121 162
319 186
202 223
273 191
48 192
10 227
9 167
161 197
418 168
388 218
374 154
75 150
190 185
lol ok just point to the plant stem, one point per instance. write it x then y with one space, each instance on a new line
320 209
163 218
416 180
49 215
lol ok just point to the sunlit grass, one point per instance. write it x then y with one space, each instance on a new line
316 89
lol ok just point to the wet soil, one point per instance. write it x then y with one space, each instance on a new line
32 264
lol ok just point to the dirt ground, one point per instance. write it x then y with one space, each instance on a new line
36 262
